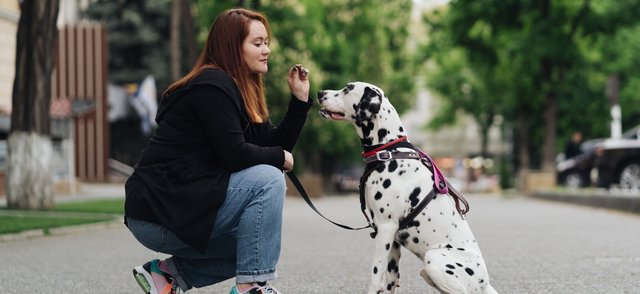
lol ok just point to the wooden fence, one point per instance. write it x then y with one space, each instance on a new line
80 75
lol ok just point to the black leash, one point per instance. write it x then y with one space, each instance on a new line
303 194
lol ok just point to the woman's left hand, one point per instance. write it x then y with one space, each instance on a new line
298 79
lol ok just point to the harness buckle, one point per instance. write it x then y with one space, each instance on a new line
384 155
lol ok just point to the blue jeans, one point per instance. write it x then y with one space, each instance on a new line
245 242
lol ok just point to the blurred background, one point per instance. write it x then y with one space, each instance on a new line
493 90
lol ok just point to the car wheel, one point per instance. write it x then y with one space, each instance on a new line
630 176
574 180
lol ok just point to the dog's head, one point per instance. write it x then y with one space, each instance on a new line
356 102
364 105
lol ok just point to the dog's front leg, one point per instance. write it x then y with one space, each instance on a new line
381 258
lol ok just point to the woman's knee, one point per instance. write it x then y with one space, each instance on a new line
267 176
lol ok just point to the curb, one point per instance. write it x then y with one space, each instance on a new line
625 202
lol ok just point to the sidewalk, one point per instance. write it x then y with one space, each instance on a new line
616 199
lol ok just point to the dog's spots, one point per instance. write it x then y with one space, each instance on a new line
450 266
461 249
469 271
413 223
380 168
392 266
393 165
386 183
416 240
377 196
449 272
390 286
459 265
448 246
481 281
401 129
381 210
396 245
381 134
401 172
350 87
388 246
414 197
402 238
375 270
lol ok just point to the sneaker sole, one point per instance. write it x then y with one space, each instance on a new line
144 280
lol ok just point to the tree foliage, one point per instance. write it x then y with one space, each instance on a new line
540 65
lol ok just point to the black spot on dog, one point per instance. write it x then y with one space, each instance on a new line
450 266
416 240
461 249
377 196
401 172
381 134
393 165
375 270
469 271
448 246
381 210
380 168
392 266
390 286
450 272
401 129
481 281
402 238
459 265
350 87
386 183
396 245
388 246
413 223
414 197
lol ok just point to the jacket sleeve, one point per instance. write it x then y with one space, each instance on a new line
222 122
287 132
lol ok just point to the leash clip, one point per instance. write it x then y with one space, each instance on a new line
384 155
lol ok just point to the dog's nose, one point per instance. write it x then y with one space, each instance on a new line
321 96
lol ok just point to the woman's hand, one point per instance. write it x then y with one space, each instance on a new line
298 79
288 161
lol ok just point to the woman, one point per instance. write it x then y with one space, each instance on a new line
208 188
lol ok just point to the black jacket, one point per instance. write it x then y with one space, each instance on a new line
203 135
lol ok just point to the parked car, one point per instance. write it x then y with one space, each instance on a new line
575 172
618 161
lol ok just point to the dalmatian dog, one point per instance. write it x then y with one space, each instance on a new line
439 235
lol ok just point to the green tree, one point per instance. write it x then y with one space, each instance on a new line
535 59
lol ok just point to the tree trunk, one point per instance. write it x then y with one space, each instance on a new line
189 34
29 184
175 39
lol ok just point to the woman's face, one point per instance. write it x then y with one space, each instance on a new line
255 48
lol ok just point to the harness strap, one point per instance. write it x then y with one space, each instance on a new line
416 210
303 194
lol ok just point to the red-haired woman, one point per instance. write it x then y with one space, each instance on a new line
209 187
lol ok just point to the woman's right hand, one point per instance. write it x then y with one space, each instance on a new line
288 161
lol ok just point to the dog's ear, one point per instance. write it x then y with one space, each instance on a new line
373 98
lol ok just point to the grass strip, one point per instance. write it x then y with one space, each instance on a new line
115 206
19 223
63 214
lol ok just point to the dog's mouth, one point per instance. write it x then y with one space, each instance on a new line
331 114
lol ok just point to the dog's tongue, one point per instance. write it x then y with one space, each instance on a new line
336 115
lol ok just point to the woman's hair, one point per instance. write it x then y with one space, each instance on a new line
223 49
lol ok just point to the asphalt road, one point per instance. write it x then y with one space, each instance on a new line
531 246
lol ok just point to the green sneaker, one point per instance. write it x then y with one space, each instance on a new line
142 274
258 288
